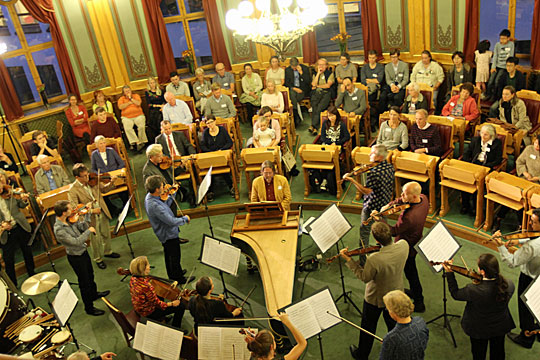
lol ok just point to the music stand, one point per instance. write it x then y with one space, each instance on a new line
122 223
437 246
201 195
8 131
45 245
530 298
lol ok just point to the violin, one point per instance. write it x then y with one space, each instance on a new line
359 251
105 178
79 211
513 236
531 332
471 274
391 210
167 162
247 332
8 191
169 189
361 169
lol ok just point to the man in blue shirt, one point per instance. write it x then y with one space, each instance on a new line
176 111
165 226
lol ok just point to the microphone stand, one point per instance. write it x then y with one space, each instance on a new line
6 129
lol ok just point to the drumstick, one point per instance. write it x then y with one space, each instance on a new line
45 318
45 339
16 322
20 328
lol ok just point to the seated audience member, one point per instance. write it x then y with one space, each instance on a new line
393 132
49 177
528 162
78 119
201 89
298 80
105 159
513 110
409 338
425 137
174 143
176 111
132 115
321 93
396 78
345 70
415 100
105 125
428 72
510 77
155 101
177 86
223 78
144 298
251 90
81 355
7 162
353 99
462 104
271 186
273 98
275 73
100 100
333 130
460 73
264 136
486 150
219 105
372 75
42 145
266 113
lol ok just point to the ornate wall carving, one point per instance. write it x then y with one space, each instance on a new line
393 24
444 25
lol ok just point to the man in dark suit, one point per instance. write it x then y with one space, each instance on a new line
298 80
173 142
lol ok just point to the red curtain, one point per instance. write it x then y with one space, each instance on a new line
535 37
472 29
43 11
159 38
370 28
215 34
309 48
8 96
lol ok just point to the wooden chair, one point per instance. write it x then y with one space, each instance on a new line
513 146
448 136
26 142
427 92
463 176
291 127
190 101
222 162
533 202
532 102
127 322
284 124
228 124
365 117
507 190
189 132
476 95
118 145
345 155
33 168
254 157
385 116
416 167
238 140
320 157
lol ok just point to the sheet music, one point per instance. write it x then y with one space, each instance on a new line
303 318
321 303
205 185
328 228
138 340
158 341
220 255
439 245
64 303
209 344
532 298
308 221
232 339
122 216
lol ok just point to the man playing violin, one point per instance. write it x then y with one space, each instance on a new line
80 192
165 226
144 297
410 227
527 257
75 238
382 272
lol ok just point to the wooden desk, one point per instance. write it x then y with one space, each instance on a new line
254 157
320 157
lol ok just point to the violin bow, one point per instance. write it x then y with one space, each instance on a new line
190 274
356 326
464 263
247 297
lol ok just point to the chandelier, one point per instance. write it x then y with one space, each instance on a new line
277 30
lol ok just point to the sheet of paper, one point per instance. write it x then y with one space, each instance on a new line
170 343
209 343
151 342
532 298
205 185
221 255
321 303
328 228
303 318
306 223
439 245
138 340
231 339
64 303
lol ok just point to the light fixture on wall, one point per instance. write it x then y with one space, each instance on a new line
277 30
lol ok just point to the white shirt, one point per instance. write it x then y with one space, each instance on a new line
104 157
5 211
173 144
485 147
527 257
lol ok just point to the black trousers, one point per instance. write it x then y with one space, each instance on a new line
526 319
82 265
17 238
178 312
171 250
388 98
319 103
370 318
411 273
496 348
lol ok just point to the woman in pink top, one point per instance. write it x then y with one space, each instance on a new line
462 105
78 119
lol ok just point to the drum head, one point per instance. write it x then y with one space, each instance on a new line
60 337
4 296
30 333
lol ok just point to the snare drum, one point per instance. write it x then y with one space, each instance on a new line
12 308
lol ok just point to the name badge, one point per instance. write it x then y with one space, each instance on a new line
225 84
354 98
533 156
80 112
280 187
388 129
374 75
461 76
198 87
424 141
223 105
420 72
506 49
323 77
452 104
488 149
400 75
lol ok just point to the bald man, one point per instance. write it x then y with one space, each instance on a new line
176 111
410 227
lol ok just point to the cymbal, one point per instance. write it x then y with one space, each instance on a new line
40 283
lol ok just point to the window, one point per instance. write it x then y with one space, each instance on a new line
186 27
523 27
343 16
30 57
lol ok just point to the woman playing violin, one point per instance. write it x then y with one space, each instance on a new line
204 308
486 318
144 298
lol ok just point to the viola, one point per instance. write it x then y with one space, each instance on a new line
167 162
247 332
518 235
79 211
391 210
471 274
8 191
105 178
359 251
169 189
531 332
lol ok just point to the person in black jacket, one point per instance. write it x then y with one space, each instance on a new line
460 73
7 162
486 150
175 139
512 77
298 80
486 318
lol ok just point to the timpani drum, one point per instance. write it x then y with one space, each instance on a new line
12 307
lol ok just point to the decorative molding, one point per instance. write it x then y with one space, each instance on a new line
444 40
93 76
242 51
394 38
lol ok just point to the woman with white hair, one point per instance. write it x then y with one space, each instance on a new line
105 159
201 89
415 100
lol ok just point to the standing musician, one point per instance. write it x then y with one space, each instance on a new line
204 309
409 338
263 345
378 189
75 238
165 226
527 257
486 318
14 230
382 273
144 297
271 187
410 227
154 155
80 192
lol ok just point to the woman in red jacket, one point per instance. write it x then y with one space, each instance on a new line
463 104
78 119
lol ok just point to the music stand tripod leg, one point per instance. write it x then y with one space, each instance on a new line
320 345
344 293
445 316
228 293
